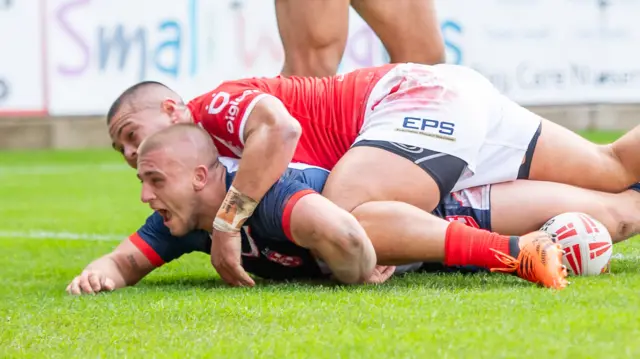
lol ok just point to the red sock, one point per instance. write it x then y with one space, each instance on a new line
464 245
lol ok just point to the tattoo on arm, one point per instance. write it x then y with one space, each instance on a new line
132 260
121 268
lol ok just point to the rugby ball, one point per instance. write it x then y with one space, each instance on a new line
586 243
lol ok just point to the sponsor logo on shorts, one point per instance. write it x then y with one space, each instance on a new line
428 127
408 148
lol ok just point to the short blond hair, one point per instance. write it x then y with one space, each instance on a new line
187 139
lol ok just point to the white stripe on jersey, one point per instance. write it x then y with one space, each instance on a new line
232 165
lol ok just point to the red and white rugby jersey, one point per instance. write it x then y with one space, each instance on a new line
330 111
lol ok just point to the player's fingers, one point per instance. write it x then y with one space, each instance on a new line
75 286
68 289
94 282
108 284
235 276
84 284
221 269
224 274
243 277
226 278
388 271
231 272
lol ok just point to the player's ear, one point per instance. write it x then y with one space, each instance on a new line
200 176
174 109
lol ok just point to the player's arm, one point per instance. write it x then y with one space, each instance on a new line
335 236
151 246
270 137
126 265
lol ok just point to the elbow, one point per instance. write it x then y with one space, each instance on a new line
288 131
355 246
359 254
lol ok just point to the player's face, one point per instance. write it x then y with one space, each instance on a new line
129 129
168 189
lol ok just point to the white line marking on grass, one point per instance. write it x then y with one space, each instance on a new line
39 234
62 169
35 234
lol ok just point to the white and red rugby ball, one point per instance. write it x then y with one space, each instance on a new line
586 242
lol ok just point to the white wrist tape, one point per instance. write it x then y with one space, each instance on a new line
236 208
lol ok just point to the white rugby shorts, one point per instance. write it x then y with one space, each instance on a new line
453 110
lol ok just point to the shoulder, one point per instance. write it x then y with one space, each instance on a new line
273 212
155 240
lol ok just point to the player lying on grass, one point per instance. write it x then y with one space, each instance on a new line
267 253
427 130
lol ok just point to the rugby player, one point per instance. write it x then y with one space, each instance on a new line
426 129
273 256
314 33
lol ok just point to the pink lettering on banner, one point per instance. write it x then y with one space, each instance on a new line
122 46
65 25
265 45
363 48
260 43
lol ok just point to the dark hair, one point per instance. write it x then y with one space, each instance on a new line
128 95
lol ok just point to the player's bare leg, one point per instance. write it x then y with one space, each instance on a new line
566 157
521 206
415 38
399 233
366 176
314 35
423 236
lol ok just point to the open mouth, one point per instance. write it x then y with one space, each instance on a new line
166 215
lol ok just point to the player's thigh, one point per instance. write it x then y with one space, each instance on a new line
522 206
563 156
314 34
384 171
430 107
408 29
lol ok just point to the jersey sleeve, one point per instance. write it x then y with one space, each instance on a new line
224 112
273 215
157 243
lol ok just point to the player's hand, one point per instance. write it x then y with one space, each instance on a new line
90 282
226 252
381 274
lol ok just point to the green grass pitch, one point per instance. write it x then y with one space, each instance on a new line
60 210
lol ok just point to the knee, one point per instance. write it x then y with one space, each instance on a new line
609 152
619 175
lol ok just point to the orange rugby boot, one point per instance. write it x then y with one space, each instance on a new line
539 261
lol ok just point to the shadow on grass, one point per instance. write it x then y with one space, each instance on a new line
447 281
